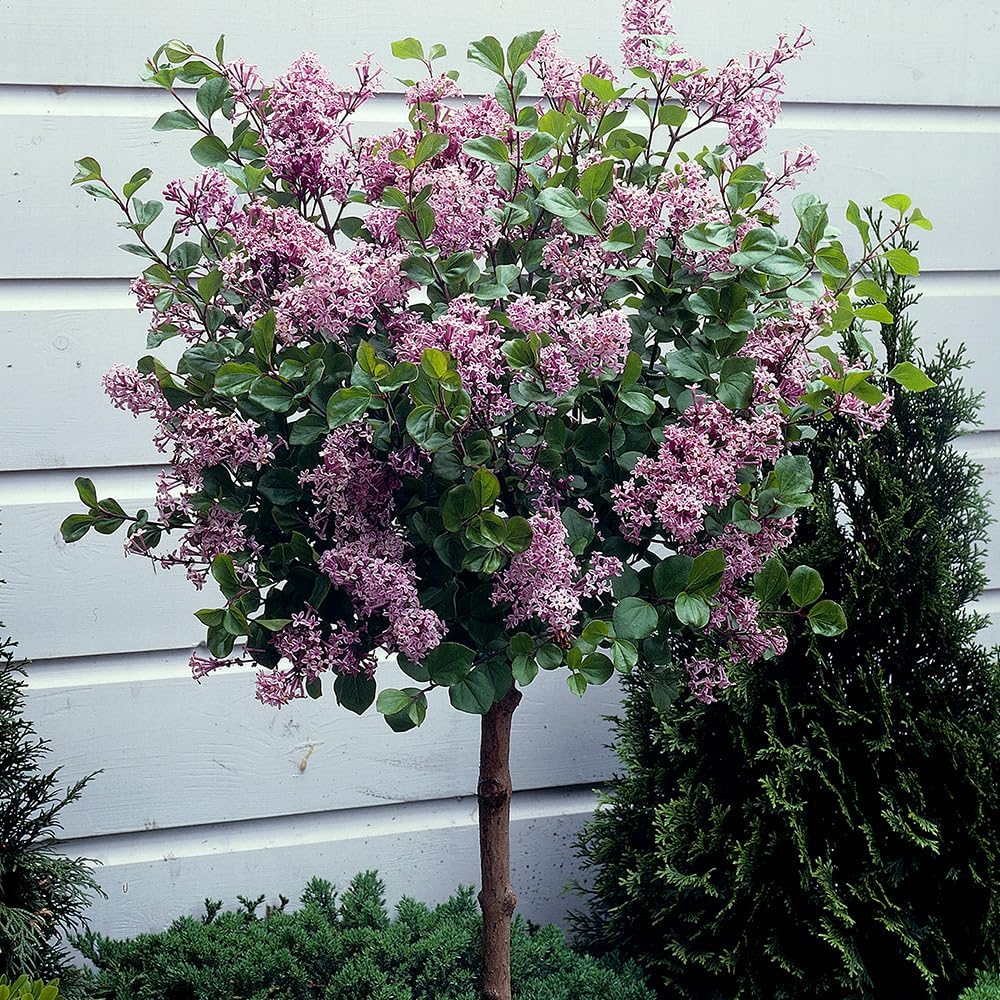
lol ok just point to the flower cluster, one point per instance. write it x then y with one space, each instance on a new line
546 581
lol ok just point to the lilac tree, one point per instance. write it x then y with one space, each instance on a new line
519 386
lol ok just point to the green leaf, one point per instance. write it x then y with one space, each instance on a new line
771 582
549 656
878 313
898 202
670 576
391 700
693 610
577 683
448 663
559 201
827 618
634 618
919 219
280 486
87 169
272 395
485 488
524 669
861 225
596 181
209 285
909 376
805 586
705 576
672 115
474 694
536 147
408 48
307 429
355 692
148 211
603 89
421 422
224 574
429 146
211 95
488 52
460 505
75 527
85 490
793 478
902 261
518 537
624 655
210 151
488 148
868 289
520 48
236 379
263 336
346 405
597 668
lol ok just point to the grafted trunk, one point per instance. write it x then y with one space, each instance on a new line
496 898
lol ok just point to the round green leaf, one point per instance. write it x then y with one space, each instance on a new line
805 586
827 618
634 618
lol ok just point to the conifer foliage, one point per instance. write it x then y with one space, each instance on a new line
828 829
42 892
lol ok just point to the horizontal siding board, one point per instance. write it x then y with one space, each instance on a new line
929 55
145 893
214 754
88 598
55 358
64 232
53 365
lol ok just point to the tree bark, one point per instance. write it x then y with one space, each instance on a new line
496 898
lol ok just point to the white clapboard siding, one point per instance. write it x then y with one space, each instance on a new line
920 52
863 156
203 792
231 758
424 850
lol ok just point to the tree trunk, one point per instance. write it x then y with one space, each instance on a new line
496 899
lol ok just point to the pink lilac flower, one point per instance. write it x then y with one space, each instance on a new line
432 90
374 571
350 486
641 209
745 97
589 344
696 468
276 247
464 199
467 333
547 582
202 666
648 36
474 119
561 77
309 115
706 679
130 390
736 618
246 85
313 647
206 203
340 288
